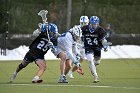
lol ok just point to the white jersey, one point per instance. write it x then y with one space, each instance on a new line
65 43
79 48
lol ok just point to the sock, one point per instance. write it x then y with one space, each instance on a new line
91 64
15 73
92 68
70 72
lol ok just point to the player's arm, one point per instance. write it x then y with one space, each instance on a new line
37 31
75 49
69 52
104 42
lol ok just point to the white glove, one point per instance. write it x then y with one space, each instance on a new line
53 50
36 32
105 49
105 43
50 44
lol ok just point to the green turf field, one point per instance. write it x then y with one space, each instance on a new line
116 76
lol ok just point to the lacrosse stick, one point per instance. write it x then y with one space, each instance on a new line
43 14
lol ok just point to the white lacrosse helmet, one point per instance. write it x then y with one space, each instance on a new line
76 30
84 20
76 33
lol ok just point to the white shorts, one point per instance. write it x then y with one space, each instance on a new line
56 52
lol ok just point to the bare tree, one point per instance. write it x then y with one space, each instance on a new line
69 10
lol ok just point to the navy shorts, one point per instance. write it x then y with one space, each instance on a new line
95 51
29 57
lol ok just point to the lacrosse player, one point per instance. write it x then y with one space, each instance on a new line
57 52
94 40
79 50
65 44
37 50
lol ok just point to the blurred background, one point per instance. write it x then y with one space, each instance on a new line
18 18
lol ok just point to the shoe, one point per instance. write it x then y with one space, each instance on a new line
13 77
62 79
96 79
80 71
37 81
70 75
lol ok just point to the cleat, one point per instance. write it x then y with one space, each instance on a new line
62 79
80 71
70 75
37 81
13 77
96 79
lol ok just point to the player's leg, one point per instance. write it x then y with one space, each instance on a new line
19 68
97 60
97 57
79 70
42 67
75 68
62 78
62 63
68 66
22 65
70 73
92 67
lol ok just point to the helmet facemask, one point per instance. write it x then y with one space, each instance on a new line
94 22
77 33
84 21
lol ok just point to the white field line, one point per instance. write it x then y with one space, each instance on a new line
66 85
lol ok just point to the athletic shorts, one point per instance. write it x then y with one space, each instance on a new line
56 52
29 57
96 52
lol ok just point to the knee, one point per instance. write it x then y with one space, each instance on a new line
21 65
68 66
97 60
42 68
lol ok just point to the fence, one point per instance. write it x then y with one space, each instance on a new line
15 40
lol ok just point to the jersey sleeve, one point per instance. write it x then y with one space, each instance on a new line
102 34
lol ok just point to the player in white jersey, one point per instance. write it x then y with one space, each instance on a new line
79 50
65 43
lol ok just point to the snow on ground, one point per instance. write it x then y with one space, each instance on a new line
119 51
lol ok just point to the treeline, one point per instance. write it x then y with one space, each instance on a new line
20 16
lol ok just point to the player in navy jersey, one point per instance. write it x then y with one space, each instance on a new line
94 40
37 50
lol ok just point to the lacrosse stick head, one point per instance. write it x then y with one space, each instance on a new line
43 14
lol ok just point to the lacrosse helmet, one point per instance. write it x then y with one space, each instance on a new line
77 32
93 23
84 21
51 27
53 30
